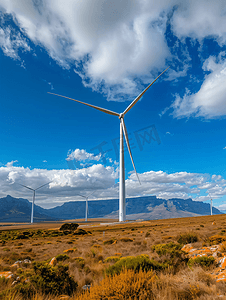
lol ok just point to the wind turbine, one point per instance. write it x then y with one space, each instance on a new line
86 197
211 206
122 201
34 190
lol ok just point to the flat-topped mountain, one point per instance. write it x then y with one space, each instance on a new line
147 208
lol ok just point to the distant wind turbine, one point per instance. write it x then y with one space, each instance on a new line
211 206
122 200
86 197
34 190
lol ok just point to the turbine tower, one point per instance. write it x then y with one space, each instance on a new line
34 190
211 206
122 201
86 197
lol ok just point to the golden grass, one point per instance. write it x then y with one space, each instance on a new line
132 239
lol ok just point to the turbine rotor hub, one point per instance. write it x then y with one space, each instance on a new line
121 116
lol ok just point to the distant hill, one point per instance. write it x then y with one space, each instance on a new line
19 210
147 208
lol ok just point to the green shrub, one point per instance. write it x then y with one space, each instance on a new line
187 238
170 248
81 232
52 280
136 263
112 259
69 226
80 261
109 242
216 239
125 239
203 261
62 257
171 255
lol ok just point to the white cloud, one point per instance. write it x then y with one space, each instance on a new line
111 43
200 19
11 43
221 207
210 100
66 184
115 41
82 155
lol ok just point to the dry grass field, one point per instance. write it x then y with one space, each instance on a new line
133 260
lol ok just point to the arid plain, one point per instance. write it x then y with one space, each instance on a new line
109 260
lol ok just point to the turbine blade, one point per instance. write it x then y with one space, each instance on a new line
27 187
107 111
90 194
80 195
128 146
42 185
142 93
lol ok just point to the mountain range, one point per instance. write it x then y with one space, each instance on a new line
147 208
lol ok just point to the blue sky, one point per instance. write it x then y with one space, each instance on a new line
106 54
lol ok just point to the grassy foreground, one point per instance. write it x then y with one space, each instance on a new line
140 260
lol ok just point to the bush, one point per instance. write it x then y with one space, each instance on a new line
112 259
81 232
69 226
172 254
170 248
109 242
187 238
216 239
52 280
203 261
80 261
62 257
136 263
127 285
126 240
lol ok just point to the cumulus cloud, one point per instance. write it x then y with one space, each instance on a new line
110 44
221 207
210 100
82 155
66 184
200 19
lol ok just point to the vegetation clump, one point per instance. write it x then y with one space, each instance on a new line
112 259
171 254
216 239
48 280
62 257
125 239
109 242
187 238
136 263
203 261
69 226
81 232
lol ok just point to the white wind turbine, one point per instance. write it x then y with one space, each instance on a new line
122 202
211 205
34 190
86 197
